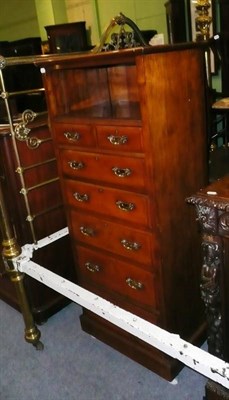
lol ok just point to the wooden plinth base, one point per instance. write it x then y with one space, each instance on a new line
129 345
214 391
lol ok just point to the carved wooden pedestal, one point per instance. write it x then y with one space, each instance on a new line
212 206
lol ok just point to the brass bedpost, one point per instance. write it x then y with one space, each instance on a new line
203 21
10 247
11 250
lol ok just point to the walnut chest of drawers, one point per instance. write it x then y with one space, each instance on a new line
130 137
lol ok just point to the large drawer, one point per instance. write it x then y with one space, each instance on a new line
75 135
135 244
117 170
120 138
115 203
129 281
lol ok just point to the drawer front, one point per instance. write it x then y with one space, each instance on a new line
129 281
118 139
134 244
75 135
124 171
107 201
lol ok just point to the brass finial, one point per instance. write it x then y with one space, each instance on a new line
203 19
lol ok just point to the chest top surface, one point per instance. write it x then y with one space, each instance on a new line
217 193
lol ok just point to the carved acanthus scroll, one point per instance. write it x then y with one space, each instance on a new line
210 293
210 273
224 223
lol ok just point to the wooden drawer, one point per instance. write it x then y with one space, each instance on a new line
137 245
117 138
115 203
126 279
75 135
124 171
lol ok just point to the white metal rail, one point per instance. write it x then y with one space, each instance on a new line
169 343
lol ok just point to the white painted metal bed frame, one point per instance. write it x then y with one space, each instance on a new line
199 360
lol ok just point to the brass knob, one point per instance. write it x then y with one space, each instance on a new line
121 172
76 164
81 197
72 136
92 267
133 284
86 231
125 206
130 245
117 140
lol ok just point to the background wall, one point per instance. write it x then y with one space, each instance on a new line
49 12
147 14
27 18
18 20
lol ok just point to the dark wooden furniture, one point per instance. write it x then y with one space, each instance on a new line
212 206
28 173
22 77
224 45
219 157
177 24
66 38
46 209
130 137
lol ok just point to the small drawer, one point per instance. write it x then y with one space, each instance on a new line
123 171
75 135
130 282
118 138
114 203
136 245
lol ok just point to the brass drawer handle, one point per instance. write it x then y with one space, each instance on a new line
125 206
121 172
86 231
76 164
133 246
81 197
133 284
117 140
72 136
92 267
